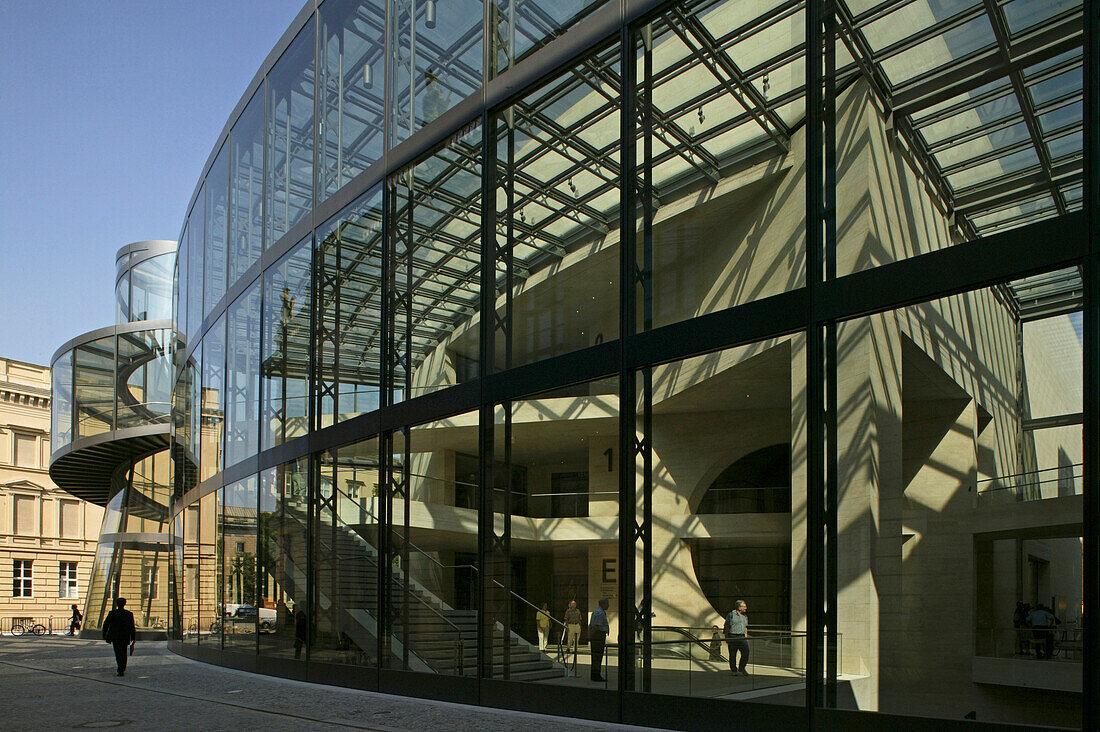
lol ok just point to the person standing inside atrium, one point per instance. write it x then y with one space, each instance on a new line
119 631
542 620
598 628
737 637
572 626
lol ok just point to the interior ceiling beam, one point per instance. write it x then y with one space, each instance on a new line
1023 97
1054 38
1003 191
702 45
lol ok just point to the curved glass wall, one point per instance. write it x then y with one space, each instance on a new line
132 559
116 381
656 373
144 290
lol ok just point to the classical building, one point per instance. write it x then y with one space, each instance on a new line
486 307
47 537
112 397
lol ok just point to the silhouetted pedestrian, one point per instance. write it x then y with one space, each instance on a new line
119 631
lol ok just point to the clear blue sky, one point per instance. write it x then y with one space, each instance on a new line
108 110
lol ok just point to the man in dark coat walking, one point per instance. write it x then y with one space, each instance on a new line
119 631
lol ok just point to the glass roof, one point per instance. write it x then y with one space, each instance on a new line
985 95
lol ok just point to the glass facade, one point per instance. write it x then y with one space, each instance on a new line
668 371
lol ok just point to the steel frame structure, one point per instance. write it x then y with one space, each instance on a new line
1054 199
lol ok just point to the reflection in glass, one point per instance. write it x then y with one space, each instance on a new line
246 189
523 27
554 496
151 288
94 387
284 369
195 254
438 60
721 218
181 292
242 428
349 311
216 228
557 215
145 369
436 269
212 400
283 557
432 565
959 454
242 611
210 569
352 68
345 556
721 477
290 137
122 298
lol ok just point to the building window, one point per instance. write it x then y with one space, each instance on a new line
24 516
66 581
191 584
26 451
149 582
70 519
240 547
21 578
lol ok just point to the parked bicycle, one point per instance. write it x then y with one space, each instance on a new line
18 629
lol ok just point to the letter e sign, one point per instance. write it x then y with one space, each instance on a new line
609 570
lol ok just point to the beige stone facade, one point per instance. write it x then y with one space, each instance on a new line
42 528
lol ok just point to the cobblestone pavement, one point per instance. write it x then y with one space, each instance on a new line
52 682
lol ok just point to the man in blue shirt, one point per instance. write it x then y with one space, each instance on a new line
598 628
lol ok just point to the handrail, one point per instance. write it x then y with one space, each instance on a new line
1026 474
440 565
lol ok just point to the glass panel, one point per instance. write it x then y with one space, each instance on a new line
195 244
152 288
213 400
290 137
349 311
352 68
94 387
555 502
210 566
243 377
196 431
283 558
147 497
432 550
217 223
968 139
144 360
242 611
436 256
721 218
61 402
175 580
246 224
122 298
185 458
437 49
948 479
284 369
523 27
181 291
345 556
557 216
190 623
722 476
100 597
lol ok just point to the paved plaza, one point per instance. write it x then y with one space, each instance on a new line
53 682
